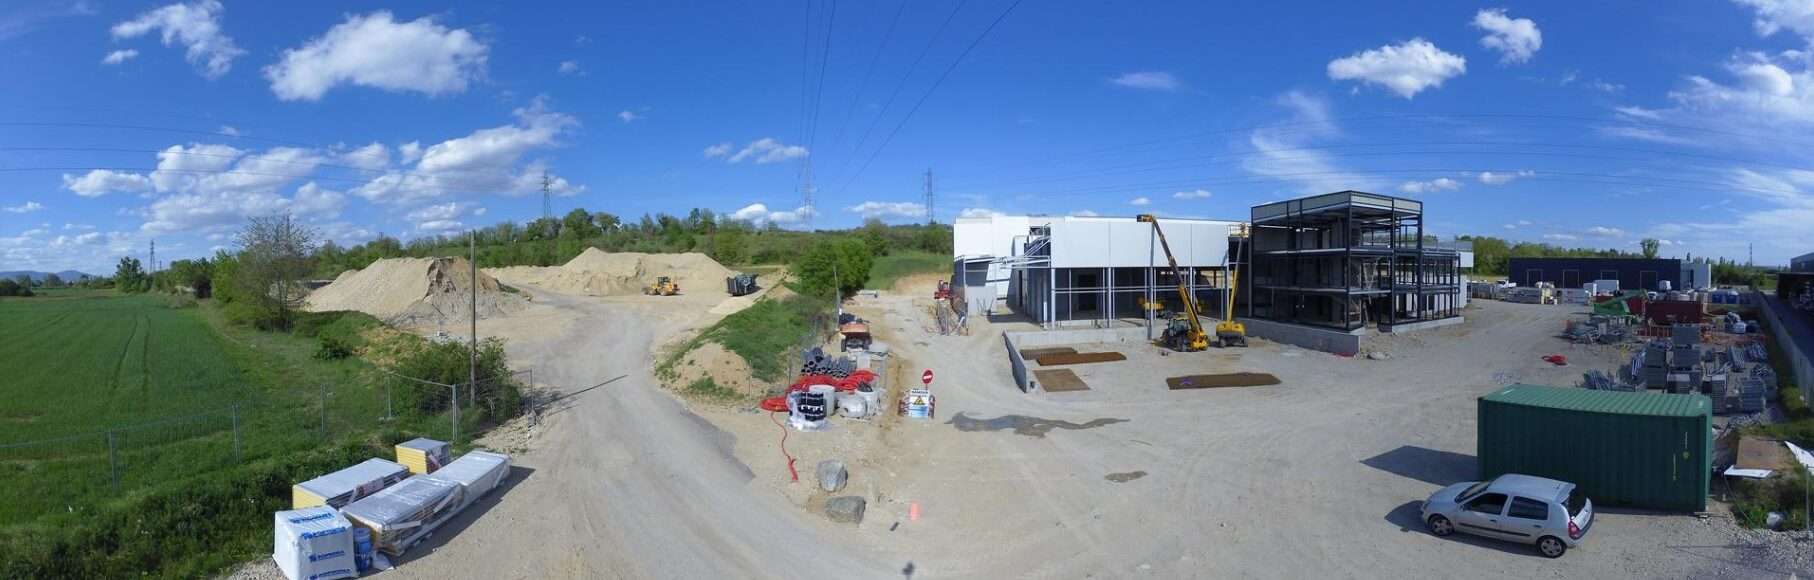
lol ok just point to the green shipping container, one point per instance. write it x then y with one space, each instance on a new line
1642 450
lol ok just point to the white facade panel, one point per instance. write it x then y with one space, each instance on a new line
1096 242
991 236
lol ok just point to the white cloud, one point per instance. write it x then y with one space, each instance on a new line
1651 134
1765 93
1606 87
74 226
1502 178
119 56
410 152
376 51
763 151
1607 232
26 207
1283 154
214 168
1639 112
979 212
100 182
484 162
1524 222
1148 80
1405 69
628 116
1142 200
1084 213
758 214
229 131
1561 237
1193 194
1796 16
1516 39
719 150
314 201
372 157
440 226
194 211
888 209
568 67
438 212
1431 186
1510 226
196 26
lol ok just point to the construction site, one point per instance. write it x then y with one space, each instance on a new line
1093 396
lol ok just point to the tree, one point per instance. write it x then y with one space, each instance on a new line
130 276
606 223
273 257
729 246
578 225
196 276
53 281
935 238
10 287
1650 246
842 264
875 236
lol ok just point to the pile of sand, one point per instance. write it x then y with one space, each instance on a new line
726 369
598 273
415 291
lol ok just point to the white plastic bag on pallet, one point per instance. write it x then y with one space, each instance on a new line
314 544
476 472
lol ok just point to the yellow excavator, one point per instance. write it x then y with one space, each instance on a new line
1185 332
663 286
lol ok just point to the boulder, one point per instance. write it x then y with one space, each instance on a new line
832 475
846 509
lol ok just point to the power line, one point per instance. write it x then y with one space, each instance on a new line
869 72
873 121
922 101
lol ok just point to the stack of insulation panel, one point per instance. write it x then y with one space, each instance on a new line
314 543
405 513
423 456
348 485
477 473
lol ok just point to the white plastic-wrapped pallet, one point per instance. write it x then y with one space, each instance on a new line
477 472
314 544
404 513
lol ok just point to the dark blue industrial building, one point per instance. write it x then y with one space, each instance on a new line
1632 273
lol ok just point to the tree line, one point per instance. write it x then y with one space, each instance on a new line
1493 255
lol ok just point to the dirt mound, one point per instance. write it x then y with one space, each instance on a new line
725 368
415 291
599 273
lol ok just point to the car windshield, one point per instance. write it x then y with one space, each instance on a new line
1472 490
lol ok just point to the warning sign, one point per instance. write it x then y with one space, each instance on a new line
918 404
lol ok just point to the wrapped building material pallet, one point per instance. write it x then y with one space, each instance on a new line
314 543
348 485
404 513
477 472
423 456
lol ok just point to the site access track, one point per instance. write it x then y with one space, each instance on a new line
622 481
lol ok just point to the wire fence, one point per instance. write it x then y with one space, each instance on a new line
72 472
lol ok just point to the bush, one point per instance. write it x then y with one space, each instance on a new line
448 363
1782 493
842 264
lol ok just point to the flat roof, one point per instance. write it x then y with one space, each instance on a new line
1092 218
1602 402
1368 204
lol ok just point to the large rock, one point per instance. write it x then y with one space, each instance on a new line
847 509
832 475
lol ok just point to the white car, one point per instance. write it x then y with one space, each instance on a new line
1519 508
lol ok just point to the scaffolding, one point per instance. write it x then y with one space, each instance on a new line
1347 260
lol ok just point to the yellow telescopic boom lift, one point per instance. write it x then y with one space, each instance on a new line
1186 334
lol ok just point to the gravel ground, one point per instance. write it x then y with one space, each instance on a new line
1317 477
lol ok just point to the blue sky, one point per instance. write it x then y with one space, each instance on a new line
1582 124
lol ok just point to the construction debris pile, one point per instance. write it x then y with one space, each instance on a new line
341 521
598 273
415 292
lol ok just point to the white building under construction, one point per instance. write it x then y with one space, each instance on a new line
1064 271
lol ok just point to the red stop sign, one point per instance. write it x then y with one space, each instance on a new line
926 377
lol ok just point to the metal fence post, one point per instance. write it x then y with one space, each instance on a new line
324 411
113 463
237 456
387 402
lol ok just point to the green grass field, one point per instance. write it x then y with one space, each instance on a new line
122 408
901 264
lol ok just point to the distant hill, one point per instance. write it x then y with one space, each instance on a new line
66 275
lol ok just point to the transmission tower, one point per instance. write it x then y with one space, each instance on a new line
153 259
547 197
930 214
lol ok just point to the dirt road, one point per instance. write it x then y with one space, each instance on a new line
622 481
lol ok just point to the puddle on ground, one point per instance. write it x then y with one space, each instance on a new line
1125 476
1024 425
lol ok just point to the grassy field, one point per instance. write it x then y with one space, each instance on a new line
900 264
125 408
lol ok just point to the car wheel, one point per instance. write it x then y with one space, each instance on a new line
1551 547
1441 526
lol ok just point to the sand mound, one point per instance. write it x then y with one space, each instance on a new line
599 273
726 369
414 291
